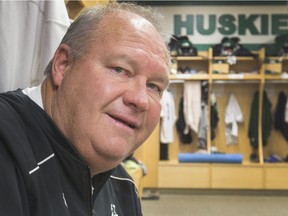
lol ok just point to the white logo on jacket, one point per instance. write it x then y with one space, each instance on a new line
113 210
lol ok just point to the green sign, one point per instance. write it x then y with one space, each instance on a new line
229 24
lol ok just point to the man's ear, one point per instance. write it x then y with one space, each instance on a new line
61 62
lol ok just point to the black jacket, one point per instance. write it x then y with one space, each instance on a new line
266 120
280 123
181 124
42 174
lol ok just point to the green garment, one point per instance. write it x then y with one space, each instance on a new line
266 120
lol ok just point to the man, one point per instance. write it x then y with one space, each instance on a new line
61 143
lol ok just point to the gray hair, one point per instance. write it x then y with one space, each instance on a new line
80 32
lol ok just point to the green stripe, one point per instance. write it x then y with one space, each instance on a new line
252 47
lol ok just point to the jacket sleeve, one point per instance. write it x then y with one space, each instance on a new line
11 186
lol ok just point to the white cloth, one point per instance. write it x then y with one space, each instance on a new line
286 112
30 30
192 105
168 118
34 93
233 115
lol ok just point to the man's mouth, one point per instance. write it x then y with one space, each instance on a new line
130 125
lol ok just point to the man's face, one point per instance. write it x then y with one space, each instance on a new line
112 95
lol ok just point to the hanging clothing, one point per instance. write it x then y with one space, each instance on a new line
286 112
181 124
214 118
203 127
204 92
30 33
280 123
233 116
266 120
164 151
192 105
168 118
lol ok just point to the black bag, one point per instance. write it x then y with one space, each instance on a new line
182 46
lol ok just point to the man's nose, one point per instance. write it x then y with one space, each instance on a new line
137 96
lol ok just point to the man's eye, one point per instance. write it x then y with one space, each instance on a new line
118 69
154 87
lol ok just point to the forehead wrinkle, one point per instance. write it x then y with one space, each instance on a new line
153 37
131 30
158 51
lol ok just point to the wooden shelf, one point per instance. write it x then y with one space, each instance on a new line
276 176
177 163
191 58
189 76
236 77
281 58
276 165
184 176
237 177
283 76
191 164
205 175
238 58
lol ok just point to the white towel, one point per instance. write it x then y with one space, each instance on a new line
233 115
168 118
192 105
